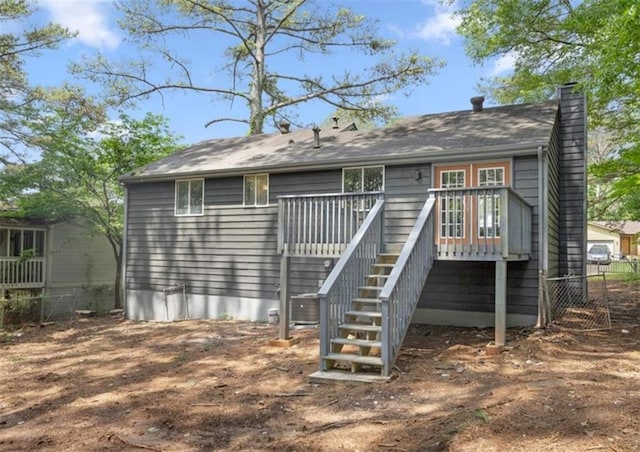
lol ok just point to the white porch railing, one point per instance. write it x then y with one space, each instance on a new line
401 292
482 223
20 273
341 286
321 225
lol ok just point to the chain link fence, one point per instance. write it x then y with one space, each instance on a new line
624 266
572 306
23 307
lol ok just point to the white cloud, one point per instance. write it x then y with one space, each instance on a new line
441 27
506 63
88 17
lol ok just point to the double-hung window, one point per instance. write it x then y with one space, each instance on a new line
363 179
189 197
256 190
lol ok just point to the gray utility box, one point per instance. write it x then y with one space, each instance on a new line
305 309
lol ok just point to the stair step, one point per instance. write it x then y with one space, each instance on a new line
377 275
394 248
349 357
356 342
378 288
367 300
370 314
381 265
340 376
387 258
360 327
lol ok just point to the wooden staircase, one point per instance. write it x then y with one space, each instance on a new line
355 353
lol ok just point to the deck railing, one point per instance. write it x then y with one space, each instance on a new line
401 292
482 223
341 286
20 273
321 224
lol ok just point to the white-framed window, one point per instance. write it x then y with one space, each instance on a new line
452 178
490 176
452 206
363 179
189 197
489 206
256 190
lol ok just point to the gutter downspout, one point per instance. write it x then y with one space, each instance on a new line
543 233
123 277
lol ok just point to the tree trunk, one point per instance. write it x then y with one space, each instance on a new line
116 247
118 283
256 110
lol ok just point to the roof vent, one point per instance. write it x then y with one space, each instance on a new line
477 102
316 137
335 122
284 127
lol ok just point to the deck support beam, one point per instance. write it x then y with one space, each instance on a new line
283 311
501 303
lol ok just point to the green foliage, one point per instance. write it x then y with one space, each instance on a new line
364 119
77 176
595 43
27 254
15 95
257 36
621 175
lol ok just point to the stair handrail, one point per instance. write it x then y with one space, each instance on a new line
341 286
401 292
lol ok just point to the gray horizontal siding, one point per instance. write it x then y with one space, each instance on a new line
572 182
553 197
404 198
306 183
228 251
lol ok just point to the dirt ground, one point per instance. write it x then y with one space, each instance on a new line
109 384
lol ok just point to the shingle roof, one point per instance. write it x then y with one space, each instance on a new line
624 226
426 137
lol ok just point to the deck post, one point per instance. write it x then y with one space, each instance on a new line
501 303
283 311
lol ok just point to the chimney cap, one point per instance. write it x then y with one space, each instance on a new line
477 102
284 127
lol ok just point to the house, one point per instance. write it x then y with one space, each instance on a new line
621 237
444 219
53 269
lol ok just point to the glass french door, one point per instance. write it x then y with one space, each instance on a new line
466 216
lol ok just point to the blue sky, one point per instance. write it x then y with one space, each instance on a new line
426 26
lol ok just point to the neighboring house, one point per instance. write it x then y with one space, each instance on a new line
621 237
443 219
60 263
